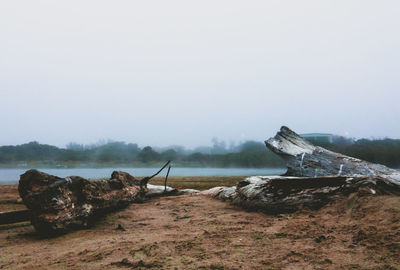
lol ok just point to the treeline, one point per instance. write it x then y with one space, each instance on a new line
384 151
248 154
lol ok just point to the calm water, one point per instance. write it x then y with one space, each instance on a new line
11 176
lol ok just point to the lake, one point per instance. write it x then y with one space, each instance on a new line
11 176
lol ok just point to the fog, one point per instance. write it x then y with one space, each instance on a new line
183 72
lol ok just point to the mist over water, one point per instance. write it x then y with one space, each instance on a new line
11 176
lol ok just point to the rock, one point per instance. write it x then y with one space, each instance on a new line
120 228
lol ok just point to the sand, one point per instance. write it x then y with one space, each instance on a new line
198 232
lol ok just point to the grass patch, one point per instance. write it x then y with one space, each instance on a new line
198 182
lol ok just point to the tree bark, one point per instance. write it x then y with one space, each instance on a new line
60 204
315 177
304 159
281 194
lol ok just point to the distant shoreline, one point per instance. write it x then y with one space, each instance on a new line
11 176
124 165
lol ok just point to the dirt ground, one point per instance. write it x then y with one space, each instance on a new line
197 232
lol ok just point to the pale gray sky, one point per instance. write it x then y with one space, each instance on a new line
182 72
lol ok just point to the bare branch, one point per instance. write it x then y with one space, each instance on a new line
166 178
146 179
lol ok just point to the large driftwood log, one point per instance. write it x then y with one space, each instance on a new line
304 159
315 177
59 204
280 194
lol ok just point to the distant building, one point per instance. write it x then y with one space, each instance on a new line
321 137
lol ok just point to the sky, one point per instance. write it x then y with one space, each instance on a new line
183 72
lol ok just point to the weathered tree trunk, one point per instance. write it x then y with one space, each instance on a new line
305 159
280 194
59 204
324 176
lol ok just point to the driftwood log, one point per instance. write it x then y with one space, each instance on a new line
282 194
315 177
304 159
60 204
